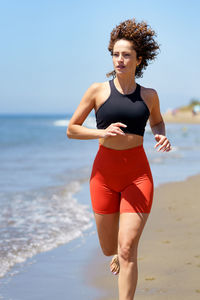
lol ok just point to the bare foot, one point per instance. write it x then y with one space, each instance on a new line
114 265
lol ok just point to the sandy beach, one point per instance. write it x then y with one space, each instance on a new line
169 251
181 117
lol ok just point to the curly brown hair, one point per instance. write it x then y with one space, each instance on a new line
142 37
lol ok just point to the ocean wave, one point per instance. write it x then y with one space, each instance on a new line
40 224
90 122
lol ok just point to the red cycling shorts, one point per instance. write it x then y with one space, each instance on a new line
121 181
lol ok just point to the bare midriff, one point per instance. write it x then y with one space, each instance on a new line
122 142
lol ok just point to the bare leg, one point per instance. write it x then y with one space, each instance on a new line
107 228
130 230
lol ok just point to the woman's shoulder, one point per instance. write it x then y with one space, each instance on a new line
150 96
99 85
151 92
98 88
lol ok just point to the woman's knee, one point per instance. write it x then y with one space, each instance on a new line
131 227
127 250
108 252
109 247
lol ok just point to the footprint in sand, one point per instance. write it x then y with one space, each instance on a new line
197 291
197 256
159 230
171 208
166 242
150 278
188 263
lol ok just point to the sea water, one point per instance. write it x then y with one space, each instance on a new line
41 172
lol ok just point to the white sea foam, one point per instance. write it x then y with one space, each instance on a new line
148 129
61 123
40 224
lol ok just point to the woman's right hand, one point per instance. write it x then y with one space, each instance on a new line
113 130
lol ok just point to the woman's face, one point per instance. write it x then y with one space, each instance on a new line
125 57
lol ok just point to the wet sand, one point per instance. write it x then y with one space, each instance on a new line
169 250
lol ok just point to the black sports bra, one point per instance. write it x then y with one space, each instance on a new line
129 109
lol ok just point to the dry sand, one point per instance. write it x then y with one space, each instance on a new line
169 250
182 117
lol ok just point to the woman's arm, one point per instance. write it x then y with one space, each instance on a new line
75 129
157 124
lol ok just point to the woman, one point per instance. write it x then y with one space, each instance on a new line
121 183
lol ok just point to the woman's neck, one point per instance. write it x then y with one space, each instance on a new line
126 85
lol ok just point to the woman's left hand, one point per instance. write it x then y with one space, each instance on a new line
164 142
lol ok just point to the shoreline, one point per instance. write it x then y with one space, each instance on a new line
169 255
54 274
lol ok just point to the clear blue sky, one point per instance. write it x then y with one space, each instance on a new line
53 50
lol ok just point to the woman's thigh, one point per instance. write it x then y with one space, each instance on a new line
130 229
108 228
